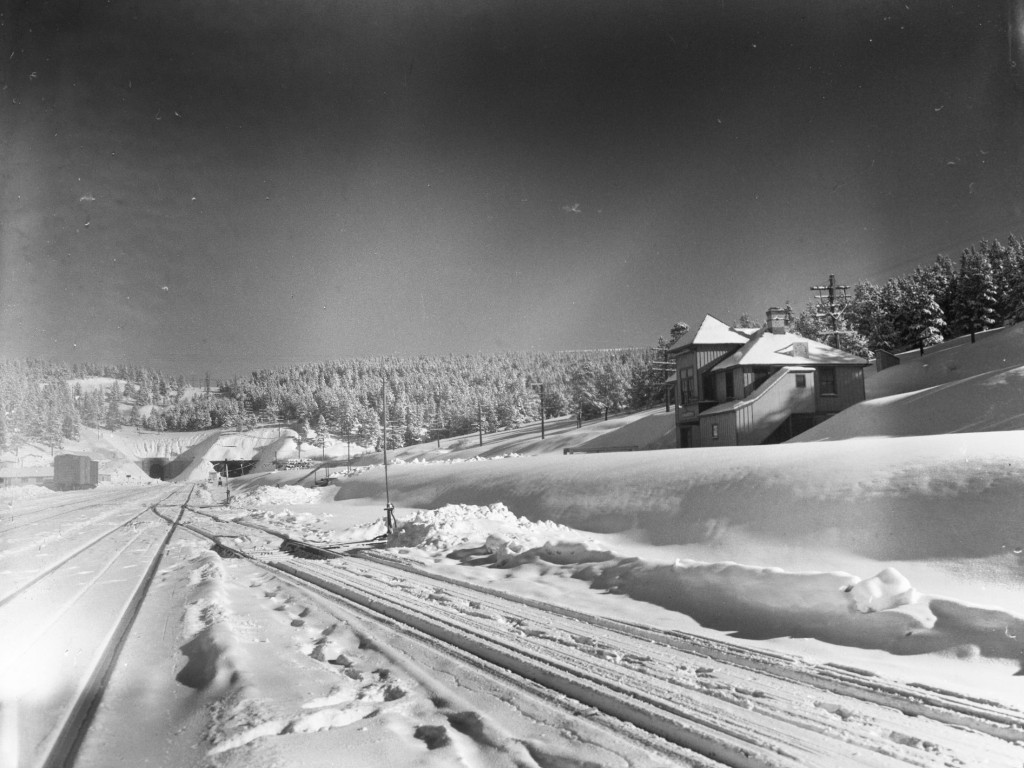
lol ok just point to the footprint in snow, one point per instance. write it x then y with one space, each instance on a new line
434 736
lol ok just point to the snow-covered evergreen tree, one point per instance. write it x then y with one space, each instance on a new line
112 418
921 313
976 298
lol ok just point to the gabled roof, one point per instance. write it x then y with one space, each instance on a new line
711 331
781 349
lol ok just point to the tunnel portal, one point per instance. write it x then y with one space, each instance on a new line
231 468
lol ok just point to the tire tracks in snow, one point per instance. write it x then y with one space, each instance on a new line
729 712
730 703
913 699
488 714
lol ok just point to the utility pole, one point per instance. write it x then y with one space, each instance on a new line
438 427
389 508
539 386
479 421
832 303
664 366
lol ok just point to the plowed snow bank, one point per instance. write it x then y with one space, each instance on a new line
882 611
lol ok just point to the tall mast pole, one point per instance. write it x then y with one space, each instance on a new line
389 510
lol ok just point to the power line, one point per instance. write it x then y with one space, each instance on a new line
833 301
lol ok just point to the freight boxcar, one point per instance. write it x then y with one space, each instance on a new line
71 472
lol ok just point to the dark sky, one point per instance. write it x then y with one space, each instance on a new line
227 185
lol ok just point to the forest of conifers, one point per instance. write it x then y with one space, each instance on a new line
429 397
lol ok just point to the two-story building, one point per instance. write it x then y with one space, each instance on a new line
748 386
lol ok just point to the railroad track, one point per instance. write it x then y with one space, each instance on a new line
51 509
731 705
915 700
16 586
48 629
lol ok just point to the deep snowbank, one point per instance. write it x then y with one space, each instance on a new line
887 499
953 360
883 611
209 644
268 494
954 387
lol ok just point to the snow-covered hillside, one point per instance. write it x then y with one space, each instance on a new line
954 387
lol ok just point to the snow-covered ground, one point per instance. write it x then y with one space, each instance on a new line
954 387
895 551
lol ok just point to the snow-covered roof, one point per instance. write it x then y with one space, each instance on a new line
787 349
711 331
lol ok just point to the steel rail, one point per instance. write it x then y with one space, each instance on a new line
85 547
76 719
65 507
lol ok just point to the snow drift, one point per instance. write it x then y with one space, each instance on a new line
883 611
908 498
954 387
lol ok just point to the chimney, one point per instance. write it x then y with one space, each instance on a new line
777 319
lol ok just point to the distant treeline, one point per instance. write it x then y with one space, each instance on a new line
427 397
45 403
431 397
441 396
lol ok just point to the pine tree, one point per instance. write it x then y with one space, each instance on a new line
976 293
369 429
112 419
1011 304
676 332
53 435
321 433
921 314
91 409
872 313
70 426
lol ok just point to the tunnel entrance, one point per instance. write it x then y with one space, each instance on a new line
156 468
234 468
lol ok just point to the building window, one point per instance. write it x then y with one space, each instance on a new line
688 383
827 382
714 431
707 387
801 380
730 386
